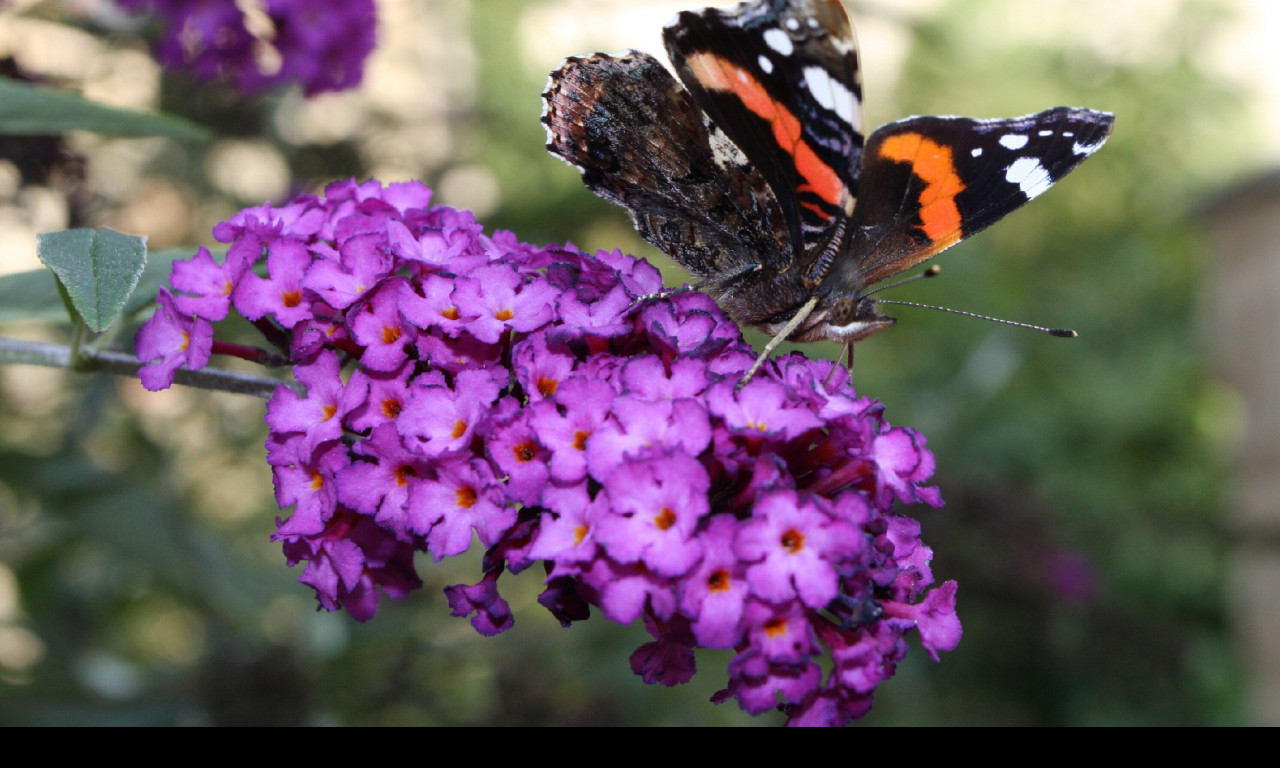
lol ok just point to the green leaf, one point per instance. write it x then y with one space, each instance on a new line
99 269
30 296
28 109
33 296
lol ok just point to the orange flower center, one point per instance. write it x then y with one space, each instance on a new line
403 474
792 541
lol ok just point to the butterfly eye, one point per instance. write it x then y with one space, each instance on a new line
843 313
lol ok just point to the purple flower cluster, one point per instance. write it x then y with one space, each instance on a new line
321 45
531 398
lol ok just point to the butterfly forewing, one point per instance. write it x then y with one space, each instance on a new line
929 182
781 79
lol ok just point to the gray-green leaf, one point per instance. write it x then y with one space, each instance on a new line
99 269
29 109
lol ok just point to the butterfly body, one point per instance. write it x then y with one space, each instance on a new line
757 175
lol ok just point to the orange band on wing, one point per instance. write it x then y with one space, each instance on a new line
934 164
719 74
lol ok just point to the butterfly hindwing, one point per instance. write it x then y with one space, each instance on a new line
929 182
639 141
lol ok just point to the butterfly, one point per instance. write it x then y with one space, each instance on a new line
754 171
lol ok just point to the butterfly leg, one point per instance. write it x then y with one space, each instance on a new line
847 351
662 294
725 279
721 279
801 315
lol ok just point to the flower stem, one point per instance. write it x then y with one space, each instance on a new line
122 364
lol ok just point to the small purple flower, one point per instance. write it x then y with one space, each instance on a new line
309 481
377 397
360 265
627 592
205 286
443 420
796 548
669 658
565 423
540 365
935 617
170 340
656 507
378 327
515 450
280 294
714 595
380 484
500 299
492 613
641 428
318 416
567 535
464 497
763 407
350 562
435 307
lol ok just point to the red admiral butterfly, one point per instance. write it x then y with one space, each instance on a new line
758 179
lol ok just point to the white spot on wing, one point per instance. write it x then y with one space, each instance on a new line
792 23
1013 141
842 45
1045 133
723 150
976 152
1068 134
1085 149
778 41
832 94
1029 175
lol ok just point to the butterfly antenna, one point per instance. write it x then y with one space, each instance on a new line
930 272
1064 333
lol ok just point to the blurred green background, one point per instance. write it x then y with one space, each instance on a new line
1088 483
